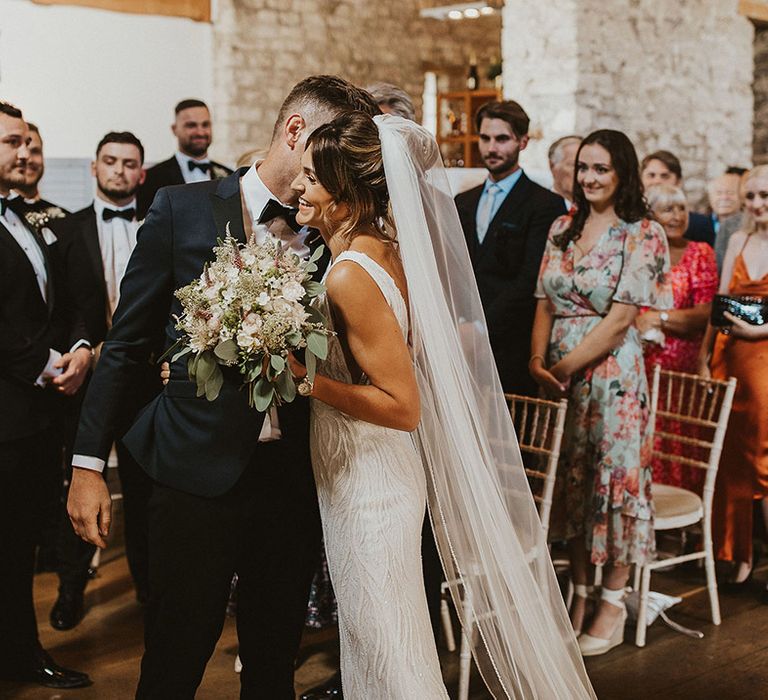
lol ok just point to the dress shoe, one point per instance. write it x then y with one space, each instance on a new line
46 672
330 690
68 610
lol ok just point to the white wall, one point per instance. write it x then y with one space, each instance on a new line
79 73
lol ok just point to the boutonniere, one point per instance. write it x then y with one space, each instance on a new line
218 172
55 212
38 220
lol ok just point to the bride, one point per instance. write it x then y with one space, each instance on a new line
407 410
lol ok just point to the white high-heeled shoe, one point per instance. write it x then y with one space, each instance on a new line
594 646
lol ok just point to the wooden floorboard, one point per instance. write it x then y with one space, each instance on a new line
731 661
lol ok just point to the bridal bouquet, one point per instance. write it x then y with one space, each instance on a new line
249 308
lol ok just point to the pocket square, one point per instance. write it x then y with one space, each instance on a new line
48 236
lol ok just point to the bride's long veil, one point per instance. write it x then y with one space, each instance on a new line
483 514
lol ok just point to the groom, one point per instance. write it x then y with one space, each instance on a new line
232 492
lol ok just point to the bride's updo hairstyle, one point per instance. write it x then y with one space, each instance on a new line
346 158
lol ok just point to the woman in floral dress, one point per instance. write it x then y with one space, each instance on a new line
603 262
673 338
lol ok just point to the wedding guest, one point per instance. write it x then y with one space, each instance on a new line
393 100
34 172
673 338
725 203
505 221
38 211
562 165
193 130
663 168
45 353
96 243
603 262
741 350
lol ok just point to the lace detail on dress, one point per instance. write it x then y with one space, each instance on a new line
372 493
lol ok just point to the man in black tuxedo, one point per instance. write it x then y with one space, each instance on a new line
194 134
45 353
506 221
29 191
96 243
233 491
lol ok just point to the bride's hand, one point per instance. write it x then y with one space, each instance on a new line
297 369
165 372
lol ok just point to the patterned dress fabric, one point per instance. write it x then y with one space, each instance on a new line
743 473
372 493
694 281
605 466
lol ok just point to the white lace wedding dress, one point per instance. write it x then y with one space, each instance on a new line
372 491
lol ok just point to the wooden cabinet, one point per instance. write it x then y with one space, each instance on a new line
456 134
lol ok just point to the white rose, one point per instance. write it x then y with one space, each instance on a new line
292 291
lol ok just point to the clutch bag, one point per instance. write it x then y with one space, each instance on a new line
753 310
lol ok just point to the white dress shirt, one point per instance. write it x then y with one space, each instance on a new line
194 174
117 239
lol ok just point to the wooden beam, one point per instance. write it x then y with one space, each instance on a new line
755 10
198 10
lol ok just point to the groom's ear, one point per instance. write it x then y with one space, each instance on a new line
294 130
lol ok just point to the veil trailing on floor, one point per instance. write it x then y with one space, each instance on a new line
483 514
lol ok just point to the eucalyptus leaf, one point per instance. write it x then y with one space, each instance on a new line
293 338
181 354
286 387
213 385
278 363
206 365
192 367
317 254
311 364
310 267
314 288
263 392
318 344
316 316
226 350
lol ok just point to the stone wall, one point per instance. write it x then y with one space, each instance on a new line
760 139
263 47
674 75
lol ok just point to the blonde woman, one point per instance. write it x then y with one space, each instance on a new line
741 351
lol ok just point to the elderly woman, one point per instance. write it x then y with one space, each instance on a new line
673 338
741 350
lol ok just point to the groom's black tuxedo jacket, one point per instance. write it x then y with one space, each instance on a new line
30 327
506 266
188 443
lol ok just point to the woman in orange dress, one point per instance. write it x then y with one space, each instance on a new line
741 351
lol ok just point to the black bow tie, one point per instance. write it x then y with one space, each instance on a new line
194 165
127 214
274 209
3 205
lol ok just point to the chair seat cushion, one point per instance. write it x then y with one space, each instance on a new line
675 507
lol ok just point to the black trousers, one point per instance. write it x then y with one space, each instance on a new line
74 554
23 467
267 529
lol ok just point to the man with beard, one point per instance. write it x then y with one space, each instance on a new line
34 172
96 244
506 221
44 354
194 134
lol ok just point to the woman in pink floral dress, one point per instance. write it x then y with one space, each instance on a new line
673 338
602 263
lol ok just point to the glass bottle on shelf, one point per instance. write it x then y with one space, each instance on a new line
473 78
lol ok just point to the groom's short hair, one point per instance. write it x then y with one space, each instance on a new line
327 96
